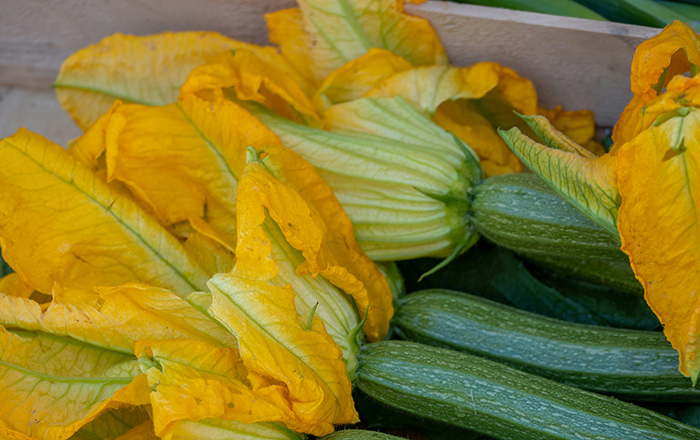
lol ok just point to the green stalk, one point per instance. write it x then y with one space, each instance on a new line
690 11
640 12
567 8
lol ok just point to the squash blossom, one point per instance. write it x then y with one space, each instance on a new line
178 190
644 190
335 64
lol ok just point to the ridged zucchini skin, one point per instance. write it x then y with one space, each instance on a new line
359 434
521 213
488 397
630 364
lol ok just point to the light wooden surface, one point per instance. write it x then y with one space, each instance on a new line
575 63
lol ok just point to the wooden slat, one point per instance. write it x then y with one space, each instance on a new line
37 110
575 63
37 35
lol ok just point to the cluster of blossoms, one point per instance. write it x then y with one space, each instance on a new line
200 261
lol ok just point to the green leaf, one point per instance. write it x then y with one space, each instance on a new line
495 273
618 309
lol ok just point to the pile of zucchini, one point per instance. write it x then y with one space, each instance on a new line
538 349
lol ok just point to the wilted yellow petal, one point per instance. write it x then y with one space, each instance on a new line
579 126
656 62
12 285
147 70
500 90
641 114
252 79
115 318
191 380
62 224
582 179
658 174
357 77
286 29
50 386
294 361
313 223
337 32
88 148
184 160
475 130
9 434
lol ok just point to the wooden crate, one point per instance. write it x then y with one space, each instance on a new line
573 62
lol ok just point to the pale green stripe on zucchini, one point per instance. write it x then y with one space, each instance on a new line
633 364
488 397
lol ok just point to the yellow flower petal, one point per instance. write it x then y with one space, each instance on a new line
472 102
252 79
9 434
50 387
143 69
357 77
184 160
284 357
115 318
286 29
656 62
657 176
62 224
641 113
662 56
579 126
337 32
13 285
313 223
191 380
496 86
475 130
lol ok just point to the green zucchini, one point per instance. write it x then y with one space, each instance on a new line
488 397
632 364
522 213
